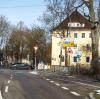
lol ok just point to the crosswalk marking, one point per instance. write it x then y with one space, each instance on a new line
74 93
65 88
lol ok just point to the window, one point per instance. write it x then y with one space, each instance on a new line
83 35
75 35
90 35
75 59
87 59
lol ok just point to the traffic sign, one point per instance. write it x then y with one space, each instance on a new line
79 54
68 42
69 50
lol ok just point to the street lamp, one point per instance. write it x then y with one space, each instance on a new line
35 48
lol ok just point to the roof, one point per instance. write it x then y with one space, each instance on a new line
75 17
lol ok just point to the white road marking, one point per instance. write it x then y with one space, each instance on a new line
6 89
85 84
65 88
34 72
71 77
75 93
47 79
0 95
80 83
9 81
91 96
57 84
52 81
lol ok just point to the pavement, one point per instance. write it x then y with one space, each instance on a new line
23 84
91 86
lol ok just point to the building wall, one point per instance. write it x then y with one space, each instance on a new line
80 43
56 48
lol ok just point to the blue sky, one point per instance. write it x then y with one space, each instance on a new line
22 10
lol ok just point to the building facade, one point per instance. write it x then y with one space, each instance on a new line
74 29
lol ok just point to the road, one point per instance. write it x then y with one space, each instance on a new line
25 85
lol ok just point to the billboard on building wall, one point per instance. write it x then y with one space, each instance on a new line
68 42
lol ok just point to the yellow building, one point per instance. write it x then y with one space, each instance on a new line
75 28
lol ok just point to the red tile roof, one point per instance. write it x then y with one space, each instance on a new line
74 17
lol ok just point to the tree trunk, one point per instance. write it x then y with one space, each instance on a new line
95 39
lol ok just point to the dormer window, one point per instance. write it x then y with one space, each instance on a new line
74 24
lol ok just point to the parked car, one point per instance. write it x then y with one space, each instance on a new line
21 66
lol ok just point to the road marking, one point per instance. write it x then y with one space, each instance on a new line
9 81
71 77
80 83
34 72
65 88
57 84
6 89
91 95
0 95
47 79
75 93
85 84
52 81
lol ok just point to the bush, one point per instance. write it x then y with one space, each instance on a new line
79 70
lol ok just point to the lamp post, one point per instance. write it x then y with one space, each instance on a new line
35 48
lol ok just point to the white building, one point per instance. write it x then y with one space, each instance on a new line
78 28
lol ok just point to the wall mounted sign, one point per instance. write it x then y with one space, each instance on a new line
68 42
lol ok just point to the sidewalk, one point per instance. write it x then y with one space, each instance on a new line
95 94
65 76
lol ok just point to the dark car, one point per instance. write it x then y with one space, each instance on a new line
21 66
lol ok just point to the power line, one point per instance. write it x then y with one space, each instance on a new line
15 0
24 1
3 1
22 6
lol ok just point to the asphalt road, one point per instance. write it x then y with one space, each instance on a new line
24 85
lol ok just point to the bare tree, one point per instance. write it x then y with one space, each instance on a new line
36 36
5 29
17 42
95 34
57 10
